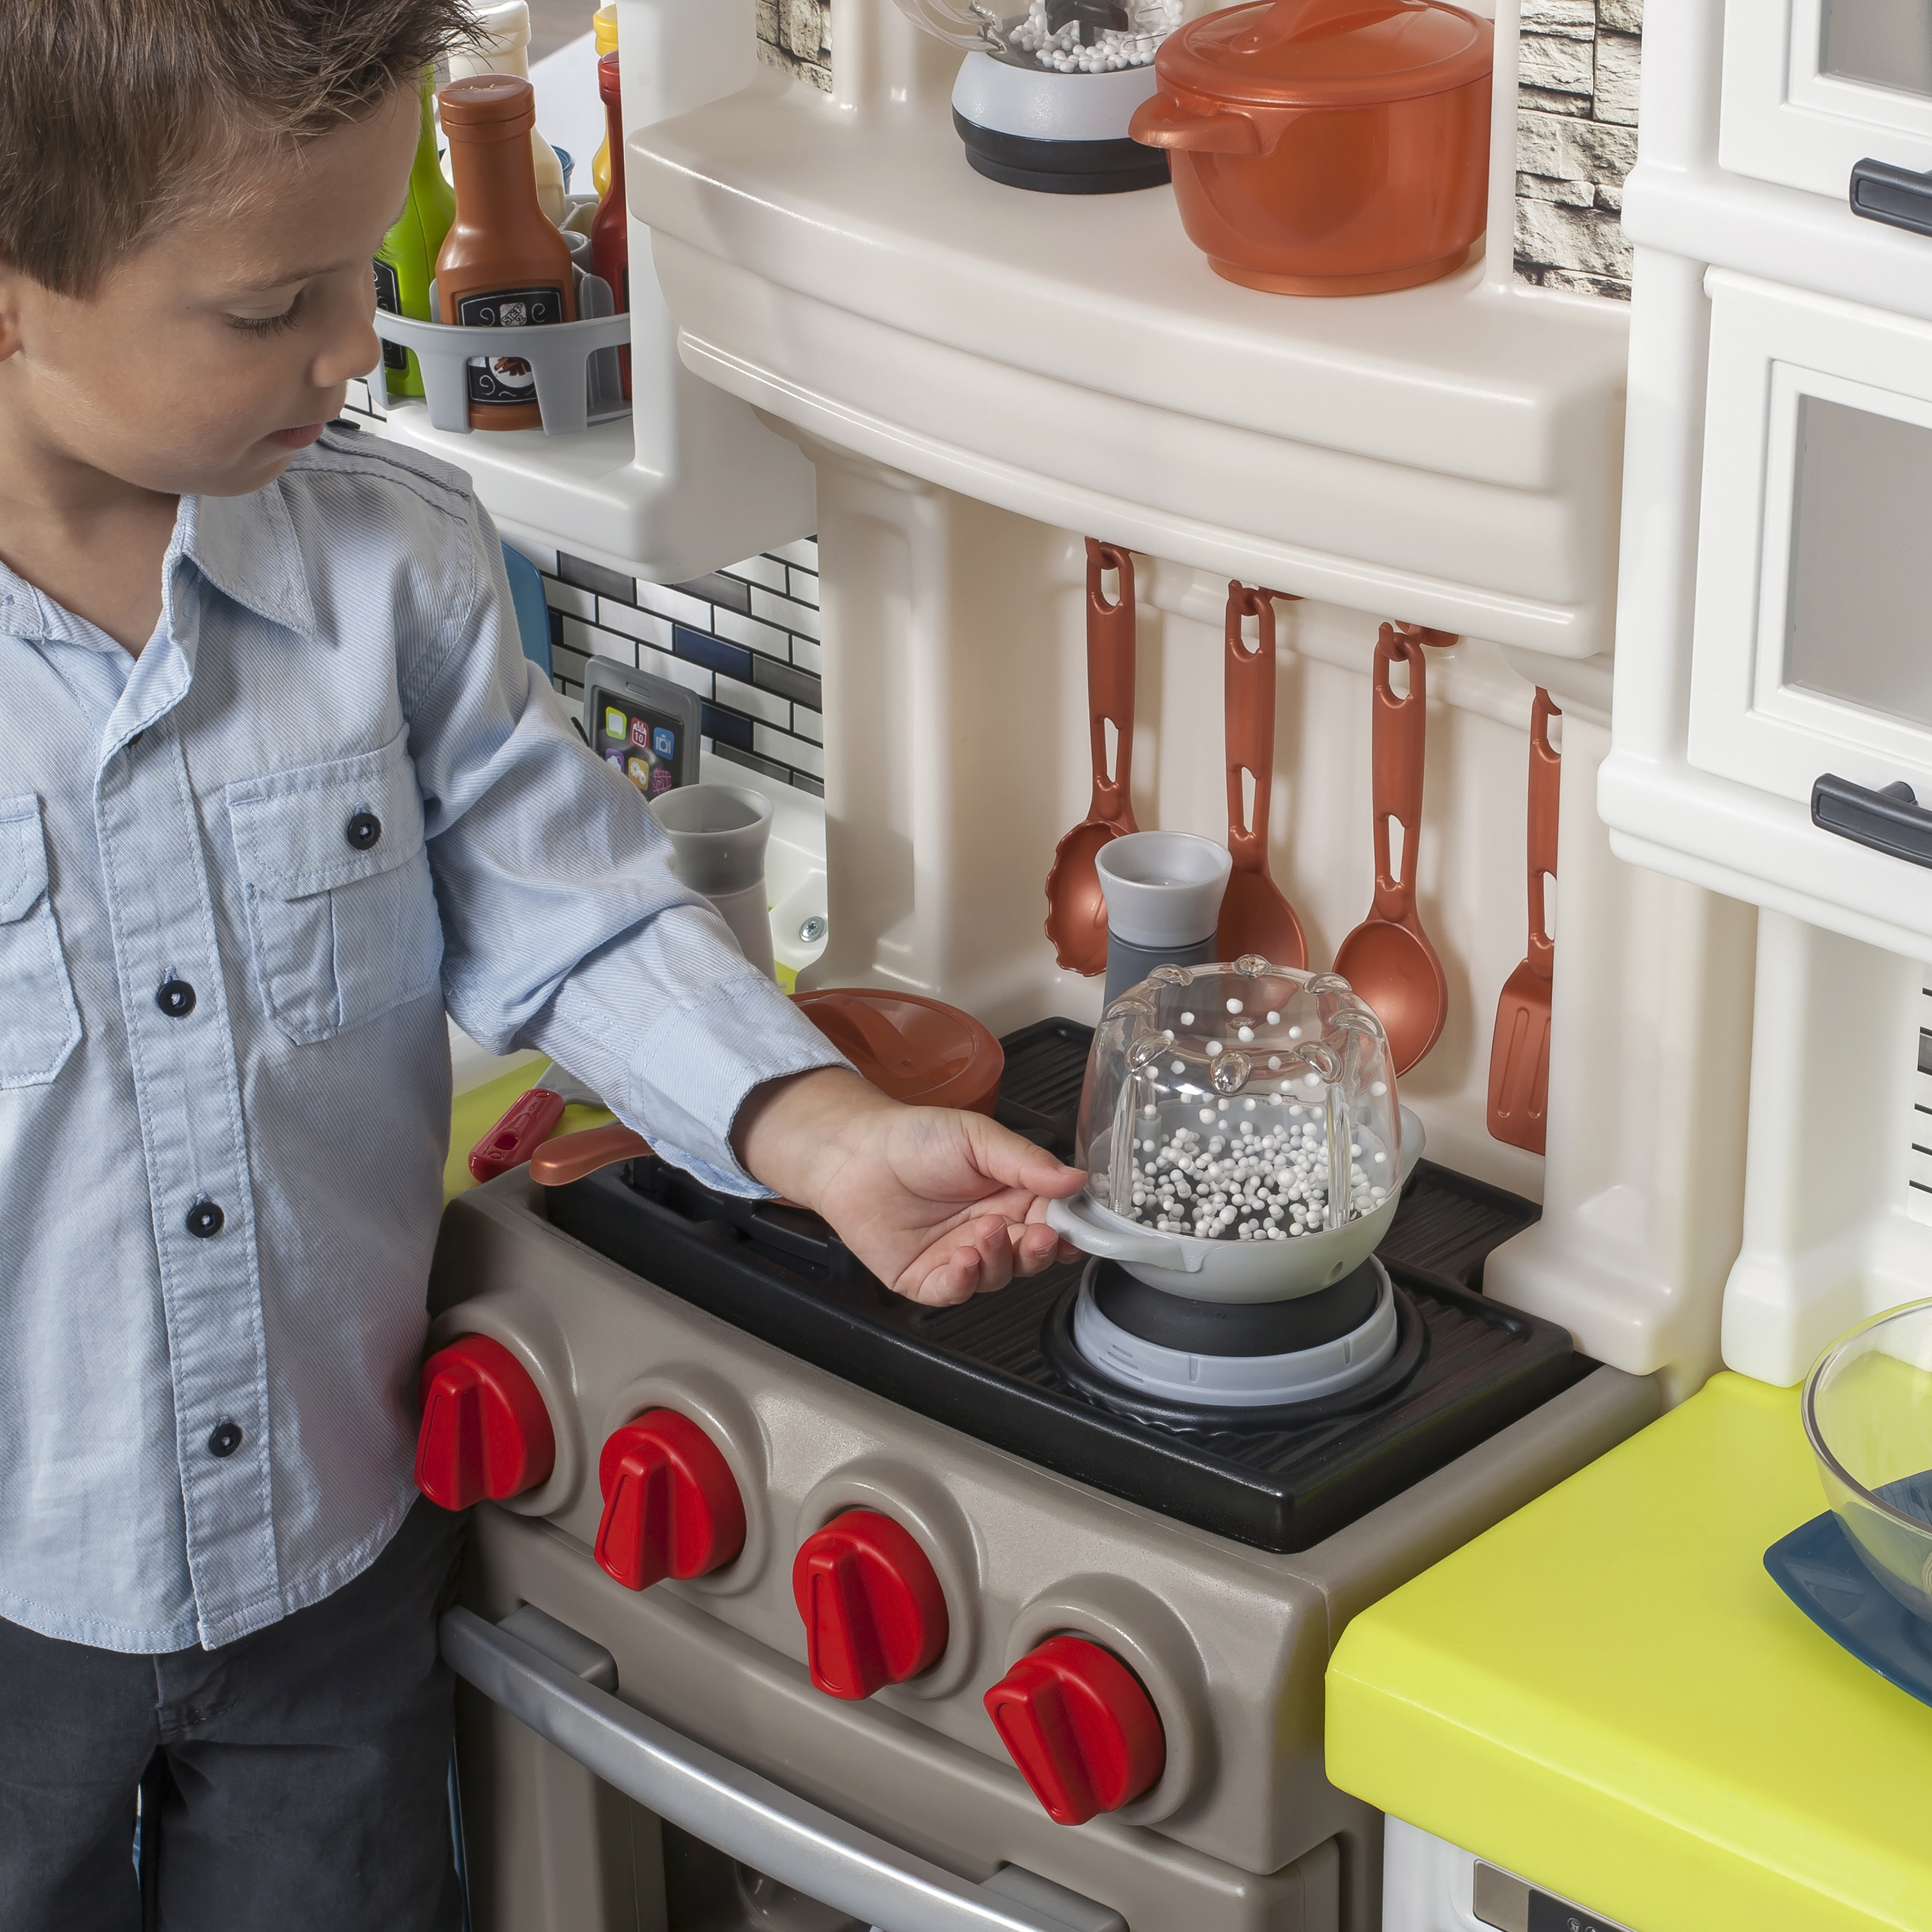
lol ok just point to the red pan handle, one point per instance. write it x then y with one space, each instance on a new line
1545 771
1249 726
1400 738
1110 685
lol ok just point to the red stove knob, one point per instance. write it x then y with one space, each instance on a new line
1084 1733
671 1505
485 1431
874 1612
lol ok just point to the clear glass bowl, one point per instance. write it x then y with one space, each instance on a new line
1868 1410
1240 1131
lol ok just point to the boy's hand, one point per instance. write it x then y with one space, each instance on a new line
940 1205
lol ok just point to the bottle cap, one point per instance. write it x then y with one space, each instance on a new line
608 82
604 24
488 106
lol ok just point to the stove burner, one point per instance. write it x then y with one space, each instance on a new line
1394 1341
1268 1357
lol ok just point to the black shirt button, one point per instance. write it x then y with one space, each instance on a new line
176 997
225 1438
363 829
206 1218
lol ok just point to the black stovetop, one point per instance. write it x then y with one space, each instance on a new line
781 1275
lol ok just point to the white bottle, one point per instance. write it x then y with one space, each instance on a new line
503 47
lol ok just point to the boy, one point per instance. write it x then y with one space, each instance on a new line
276 787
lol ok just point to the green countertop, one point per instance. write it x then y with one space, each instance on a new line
1607 1694
475 1113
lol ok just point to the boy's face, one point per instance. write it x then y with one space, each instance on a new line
206 358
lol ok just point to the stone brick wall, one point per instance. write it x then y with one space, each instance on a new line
795 35
1577 89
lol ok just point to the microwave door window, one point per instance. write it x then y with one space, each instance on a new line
1858 613
1878 43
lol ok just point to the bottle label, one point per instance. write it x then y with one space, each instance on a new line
507 379
389 297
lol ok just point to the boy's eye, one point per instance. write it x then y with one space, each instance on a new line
267 325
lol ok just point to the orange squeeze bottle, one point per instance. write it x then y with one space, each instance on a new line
503 264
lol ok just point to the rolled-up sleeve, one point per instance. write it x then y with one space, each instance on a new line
564 928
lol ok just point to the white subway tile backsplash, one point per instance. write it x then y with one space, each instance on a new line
745 697
679 670
674 604
748 630
588 640
788 750
766 570
807 656
645 624
541 555
804 586
567 598
804 552
807 724
784 610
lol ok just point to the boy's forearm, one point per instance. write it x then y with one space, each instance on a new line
791 1134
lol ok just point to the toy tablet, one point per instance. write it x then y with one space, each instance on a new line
645 725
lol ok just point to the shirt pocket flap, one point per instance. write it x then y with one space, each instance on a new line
305 831
23 856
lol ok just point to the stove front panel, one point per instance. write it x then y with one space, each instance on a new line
1230 1643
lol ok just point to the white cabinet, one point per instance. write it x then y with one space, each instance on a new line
1813 650
1811 87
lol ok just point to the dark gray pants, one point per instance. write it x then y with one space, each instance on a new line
301 1772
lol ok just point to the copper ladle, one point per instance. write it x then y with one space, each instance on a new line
1388 959
1256 916
1076 913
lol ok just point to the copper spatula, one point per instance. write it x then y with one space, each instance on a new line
1520 1055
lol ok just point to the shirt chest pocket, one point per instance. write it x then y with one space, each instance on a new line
342 917
40 1026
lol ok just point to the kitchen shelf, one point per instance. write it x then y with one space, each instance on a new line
1447 455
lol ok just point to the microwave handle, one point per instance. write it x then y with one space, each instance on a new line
1883 191
560 1683
1891 820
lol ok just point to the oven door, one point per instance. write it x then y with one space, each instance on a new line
787 1866
1813 87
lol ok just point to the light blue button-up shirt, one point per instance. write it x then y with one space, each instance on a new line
328 800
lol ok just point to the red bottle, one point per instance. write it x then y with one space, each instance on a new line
502 265
610 229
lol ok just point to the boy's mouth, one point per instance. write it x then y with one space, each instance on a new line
298 438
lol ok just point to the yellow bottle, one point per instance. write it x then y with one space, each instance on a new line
604 25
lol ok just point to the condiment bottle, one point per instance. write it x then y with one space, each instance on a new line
611 231
604 24
407 260
503 47
503 265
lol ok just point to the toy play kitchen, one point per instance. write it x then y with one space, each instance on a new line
1371 1528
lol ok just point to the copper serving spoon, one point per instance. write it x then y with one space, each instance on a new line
1076 913
1256 916
1388 959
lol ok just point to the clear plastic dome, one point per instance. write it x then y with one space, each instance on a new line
1240 1102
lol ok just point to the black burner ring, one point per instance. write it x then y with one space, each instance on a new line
1062 1354
1236 1327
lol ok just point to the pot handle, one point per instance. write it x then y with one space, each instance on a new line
1160 122
1076 1221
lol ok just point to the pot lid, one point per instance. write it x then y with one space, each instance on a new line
1328 53
919 1050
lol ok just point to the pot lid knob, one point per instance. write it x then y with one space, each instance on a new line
671 1506
1082 1730
874 1613
485 1431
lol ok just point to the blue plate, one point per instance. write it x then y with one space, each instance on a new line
1817 1568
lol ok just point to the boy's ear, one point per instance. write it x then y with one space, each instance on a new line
12 288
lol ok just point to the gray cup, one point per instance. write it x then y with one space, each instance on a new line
718 837
1163 891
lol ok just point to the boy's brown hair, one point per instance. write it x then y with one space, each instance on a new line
115 116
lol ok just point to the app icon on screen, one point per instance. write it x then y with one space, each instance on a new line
638 770
640 732
661 781
616 725
664 742
616 758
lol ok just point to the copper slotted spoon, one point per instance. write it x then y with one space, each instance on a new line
1256 915
1076 913
1519 1054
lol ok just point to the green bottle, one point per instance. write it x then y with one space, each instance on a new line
406 263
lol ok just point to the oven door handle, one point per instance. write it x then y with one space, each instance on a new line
560 1683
